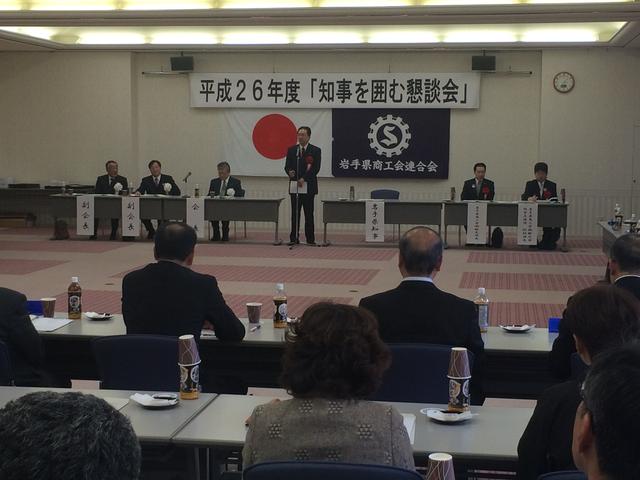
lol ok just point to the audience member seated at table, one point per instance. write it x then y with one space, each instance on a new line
417 311
105 185
624 272
333 360
168 298
154 184
607 422
601 318
478 188
24 344
54 436
542 189
223 185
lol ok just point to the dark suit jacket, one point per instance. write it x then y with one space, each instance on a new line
165 298
469 192
147 185
22 339
103 184
311 159
532 188
232 182
418 312
545 445
564 345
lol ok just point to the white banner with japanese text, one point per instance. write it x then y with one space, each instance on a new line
477 223
527 223
335 90
85 214
195 215
130 216
374 221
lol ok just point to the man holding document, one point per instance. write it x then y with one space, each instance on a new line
302 165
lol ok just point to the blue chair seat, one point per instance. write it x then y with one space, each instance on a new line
326 470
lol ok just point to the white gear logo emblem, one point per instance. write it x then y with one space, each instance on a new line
393 146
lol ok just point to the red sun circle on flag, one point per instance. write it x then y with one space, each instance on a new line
273 134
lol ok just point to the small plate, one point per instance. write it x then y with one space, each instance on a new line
446 417
517 328
98 316
159 401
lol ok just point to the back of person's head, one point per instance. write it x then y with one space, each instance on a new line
174 241
602 317
53 436
541 167
334 351
420 251
625 251
611 399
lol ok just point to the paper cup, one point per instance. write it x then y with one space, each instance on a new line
48 306
253 311
459 363
188 350
440 467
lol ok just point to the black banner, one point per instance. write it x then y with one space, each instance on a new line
390 143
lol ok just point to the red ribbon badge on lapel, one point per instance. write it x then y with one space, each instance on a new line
309 161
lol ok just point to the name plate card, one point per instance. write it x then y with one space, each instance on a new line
85 215
374 221
527 223
477 223
195 215
130 216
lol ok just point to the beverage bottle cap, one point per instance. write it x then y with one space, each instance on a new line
74 279
279 286
481 291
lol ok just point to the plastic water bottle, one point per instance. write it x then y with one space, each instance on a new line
618 217
482 306
280 307
74 299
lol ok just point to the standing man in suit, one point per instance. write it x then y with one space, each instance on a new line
168 298
417 311
154 184
478 188
624 267
104 185
302 166
222 186
542 189
22 340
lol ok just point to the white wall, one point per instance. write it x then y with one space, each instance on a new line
63 114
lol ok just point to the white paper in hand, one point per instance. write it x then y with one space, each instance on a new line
294 188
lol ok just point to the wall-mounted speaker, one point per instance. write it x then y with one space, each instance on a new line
182 63
485 63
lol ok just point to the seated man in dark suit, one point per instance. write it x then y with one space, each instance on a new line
478 188
418 312
222 186
25 347
154 184
624 268
608 417
543 189
104 185
601 317
168 298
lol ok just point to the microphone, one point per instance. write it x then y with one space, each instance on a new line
186 178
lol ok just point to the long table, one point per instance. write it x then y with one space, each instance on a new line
167 207
516 364
396 212
488 441
505 214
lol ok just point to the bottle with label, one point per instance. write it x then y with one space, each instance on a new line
352 193
618 217
75 299
453 194
280 307
196 191
482 306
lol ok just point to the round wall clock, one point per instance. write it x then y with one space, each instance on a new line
564 82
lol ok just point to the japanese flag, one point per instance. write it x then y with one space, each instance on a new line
256 140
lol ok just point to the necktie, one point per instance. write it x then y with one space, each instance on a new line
478 188
223 188
156 180
541 185
301 152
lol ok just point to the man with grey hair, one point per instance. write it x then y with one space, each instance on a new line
51 436
417 311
